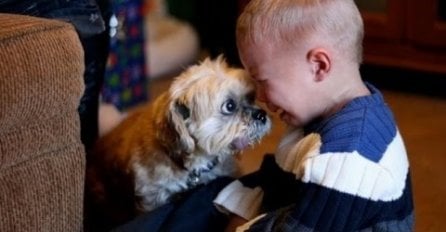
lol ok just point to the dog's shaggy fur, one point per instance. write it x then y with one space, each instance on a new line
187 137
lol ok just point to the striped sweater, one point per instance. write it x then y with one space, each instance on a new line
349 172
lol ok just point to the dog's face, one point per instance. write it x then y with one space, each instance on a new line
211 110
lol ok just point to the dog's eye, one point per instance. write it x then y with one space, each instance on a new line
229 107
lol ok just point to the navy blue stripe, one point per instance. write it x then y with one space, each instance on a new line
329 210
365 125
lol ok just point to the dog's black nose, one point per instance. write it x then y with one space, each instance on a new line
260 115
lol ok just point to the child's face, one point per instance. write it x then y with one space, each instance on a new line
283 80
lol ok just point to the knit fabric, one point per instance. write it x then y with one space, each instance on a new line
349 172
42 159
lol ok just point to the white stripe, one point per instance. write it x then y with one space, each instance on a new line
352 173
240 200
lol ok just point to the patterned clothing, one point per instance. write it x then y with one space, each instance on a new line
349 172
125 82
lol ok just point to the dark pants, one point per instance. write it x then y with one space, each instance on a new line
195 211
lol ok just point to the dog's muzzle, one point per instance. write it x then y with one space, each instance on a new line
259 115
259 124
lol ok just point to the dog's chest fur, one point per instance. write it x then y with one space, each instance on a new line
157 184
156 175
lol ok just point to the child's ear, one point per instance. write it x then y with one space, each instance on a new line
320 61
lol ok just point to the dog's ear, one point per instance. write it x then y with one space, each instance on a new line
179 115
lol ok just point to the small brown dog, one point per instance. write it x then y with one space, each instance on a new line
187 137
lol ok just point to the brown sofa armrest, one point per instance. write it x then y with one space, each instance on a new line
42 160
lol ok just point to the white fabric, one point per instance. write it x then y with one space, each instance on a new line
240 200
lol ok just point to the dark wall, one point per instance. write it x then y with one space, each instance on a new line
214 21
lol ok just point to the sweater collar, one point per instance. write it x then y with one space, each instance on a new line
371 100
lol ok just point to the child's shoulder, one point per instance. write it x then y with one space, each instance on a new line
364 125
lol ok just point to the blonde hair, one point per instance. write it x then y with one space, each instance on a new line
290 21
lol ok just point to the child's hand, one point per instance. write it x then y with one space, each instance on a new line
234 222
